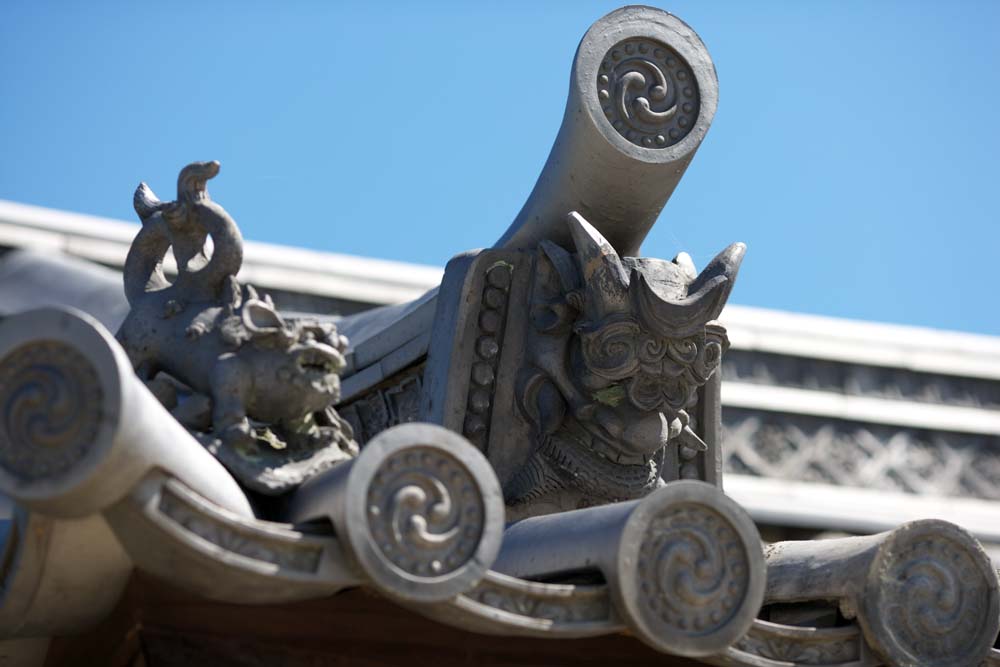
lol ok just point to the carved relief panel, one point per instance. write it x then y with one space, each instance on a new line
579 374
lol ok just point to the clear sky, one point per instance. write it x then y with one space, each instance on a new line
855 149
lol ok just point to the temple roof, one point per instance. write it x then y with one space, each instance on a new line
554 438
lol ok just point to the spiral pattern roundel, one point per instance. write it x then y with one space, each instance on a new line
50 397
695 570
932 597
691 569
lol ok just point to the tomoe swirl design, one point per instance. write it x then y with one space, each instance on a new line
51 399
932 598
648 92
694 569
691 571
425 512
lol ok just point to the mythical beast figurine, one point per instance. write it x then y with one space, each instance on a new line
262 386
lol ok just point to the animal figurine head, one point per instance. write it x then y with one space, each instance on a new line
297 362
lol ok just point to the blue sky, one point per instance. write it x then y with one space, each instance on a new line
855 149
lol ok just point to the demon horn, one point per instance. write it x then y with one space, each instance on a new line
604 277
707 294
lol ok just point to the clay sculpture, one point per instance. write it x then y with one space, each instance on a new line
258 388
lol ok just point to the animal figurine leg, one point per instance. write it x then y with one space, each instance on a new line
230 384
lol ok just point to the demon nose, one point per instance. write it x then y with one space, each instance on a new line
651 432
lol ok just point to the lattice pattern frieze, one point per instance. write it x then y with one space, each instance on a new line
873 456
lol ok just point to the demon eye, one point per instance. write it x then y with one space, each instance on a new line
612 351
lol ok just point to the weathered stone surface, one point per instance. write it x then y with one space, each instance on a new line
924 594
